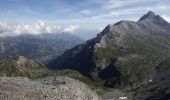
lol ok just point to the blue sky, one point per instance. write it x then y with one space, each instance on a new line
84 14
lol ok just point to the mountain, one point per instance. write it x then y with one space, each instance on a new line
22 67
123 54
37 47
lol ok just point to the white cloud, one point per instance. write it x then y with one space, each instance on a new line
71 28
86 12
167 18
111 4
100 28
118 13
14 29
126 9
41 23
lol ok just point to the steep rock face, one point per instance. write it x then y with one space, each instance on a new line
62 88
123 54
37 47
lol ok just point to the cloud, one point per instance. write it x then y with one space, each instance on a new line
100 28
127 10
109 10
167 18
71 28
14 29
86 12
111 4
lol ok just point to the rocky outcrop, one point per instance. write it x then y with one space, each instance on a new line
21 66
51 88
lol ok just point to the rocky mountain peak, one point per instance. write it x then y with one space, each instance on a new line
149 16
107 28
152 20
152 17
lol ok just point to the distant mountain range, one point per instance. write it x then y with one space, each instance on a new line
37 47
126 54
